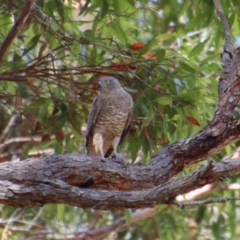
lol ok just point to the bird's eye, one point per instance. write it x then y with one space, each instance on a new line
107 81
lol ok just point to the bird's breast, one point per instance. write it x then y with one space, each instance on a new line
113 113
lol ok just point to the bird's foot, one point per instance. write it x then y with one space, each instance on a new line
119 158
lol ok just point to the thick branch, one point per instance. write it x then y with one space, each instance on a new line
31 192
16 28
87 171
229 92
229 75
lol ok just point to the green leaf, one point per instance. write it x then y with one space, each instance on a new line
75 120
16 59
42 145
144 109
186 4
134 149
190 96
228 150
152 43
231 20
121 6
58 148
93 56
160 207
164 101
31 44
187 67
131 90
104 9
49 8
119 33
198 48
127 24
35 105
40 4
160 54
128 216
23 90
59 7
60 211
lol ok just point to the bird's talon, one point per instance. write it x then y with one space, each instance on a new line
118 158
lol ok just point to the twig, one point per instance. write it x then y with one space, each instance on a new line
182 204
4 157
13 121
228 46
227 55
19 140
116 225
16 28
12 78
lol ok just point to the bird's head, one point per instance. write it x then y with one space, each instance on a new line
108 83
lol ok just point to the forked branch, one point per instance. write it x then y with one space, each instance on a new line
16 28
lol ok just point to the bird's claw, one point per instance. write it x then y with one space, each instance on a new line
119 158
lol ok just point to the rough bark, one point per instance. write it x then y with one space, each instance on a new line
18 190
90 182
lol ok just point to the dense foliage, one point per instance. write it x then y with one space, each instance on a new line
165 53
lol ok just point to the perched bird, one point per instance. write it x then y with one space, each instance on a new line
109 119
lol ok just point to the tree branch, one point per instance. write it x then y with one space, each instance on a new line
229 92
33 191
229 68
21 140
81 170
6 78
205 201
228 46
15 119
116 225
16 28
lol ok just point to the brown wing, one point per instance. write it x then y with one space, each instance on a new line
127 127
91 120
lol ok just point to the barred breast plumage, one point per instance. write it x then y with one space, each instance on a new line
110 118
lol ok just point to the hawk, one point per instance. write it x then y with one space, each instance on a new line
109 119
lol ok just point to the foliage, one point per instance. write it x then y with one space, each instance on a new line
62 50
